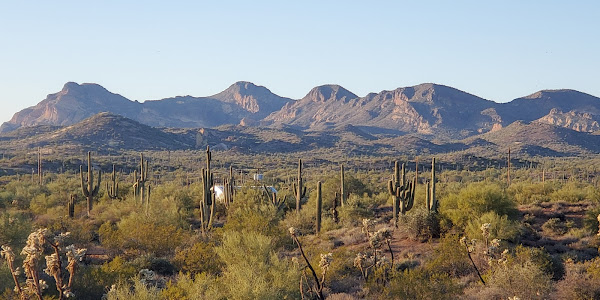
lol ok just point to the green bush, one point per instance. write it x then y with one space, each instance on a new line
450 257
420 224
253 270
360 207
529 192
141 234
418 284
199 258
570 192
500 227
474 200
554 226
184 287
590 221
525 280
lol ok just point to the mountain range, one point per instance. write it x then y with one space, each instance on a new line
431 116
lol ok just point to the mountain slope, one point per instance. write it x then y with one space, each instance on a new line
109 131
539 104
72 104
545 139
426 109
77 102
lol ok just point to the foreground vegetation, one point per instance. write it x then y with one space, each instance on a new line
159 233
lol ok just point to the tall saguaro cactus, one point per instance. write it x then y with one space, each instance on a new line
299 190
88 188
139 183
402 191
342 187
430 199
207 202
112 189
71 206
40 173
319 207
229 188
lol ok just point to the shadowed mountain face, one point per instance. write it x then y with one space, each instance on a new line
432 111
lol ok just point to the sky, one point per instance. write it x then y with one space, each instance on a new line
145 50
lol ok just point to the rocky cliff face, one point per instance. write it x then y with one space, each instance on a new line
585 122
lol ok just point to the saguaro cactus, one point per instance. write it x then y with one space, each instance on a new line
71 206
207 202
342 187
88 188
334 211
299 190
229 188
402 191
40 172
273 199
430 199
319 207
113 189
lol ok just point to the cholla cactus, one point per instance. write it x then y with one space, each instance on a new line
485 231
33 251
325 262
367 227
360 261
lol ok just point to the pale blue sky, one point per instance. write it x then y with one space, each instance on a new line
498 50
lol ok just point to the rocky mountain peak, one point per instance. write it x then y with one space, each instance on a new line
329 92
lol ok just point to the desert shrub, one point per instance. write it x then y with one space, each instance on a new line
250 212
139 234
184 287
14 229
418 284
554 226
526 274
590 221
352 186
570 192
500 227
343 276
529 192
579 283
420 224
476 199
140 291
450 258
525 281
6 281
253 270
18 193
540 258
199 258
359 207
